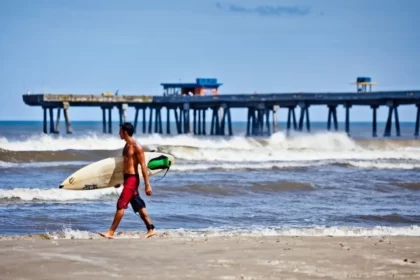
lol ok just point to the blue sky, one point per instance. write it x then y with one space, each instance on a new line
83 46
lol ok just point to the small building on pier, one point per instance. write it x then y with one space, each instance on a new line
362 84
202 86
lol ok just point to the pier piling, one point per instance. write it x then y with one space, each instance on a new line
107 123
374 121
215 124
103 120
45 120
136 117
177 120
57 122
416 129
66 108
393 110
150 119
304 112
275 122
110 120
332 112
347 126
291 114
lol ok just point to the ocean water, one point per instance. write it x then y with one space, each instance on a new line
317 183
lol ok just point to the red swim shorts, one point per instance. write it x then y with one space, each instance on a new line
130 193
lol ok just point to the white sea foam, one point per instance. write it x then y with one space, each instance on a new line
238 166
384 165
414 230
278 147
4 164
52 143
183 167
27 194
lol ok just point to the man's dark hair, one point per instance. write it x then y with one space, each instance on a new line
128 127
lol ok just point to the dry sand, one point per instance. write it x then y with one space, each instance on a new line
237 257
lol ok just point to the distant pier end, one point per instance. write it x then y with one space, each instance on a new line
188 100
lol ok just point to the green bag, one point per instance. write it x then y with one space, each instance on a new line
161 162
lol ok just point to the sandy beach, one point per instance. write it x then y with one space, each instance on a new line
239 257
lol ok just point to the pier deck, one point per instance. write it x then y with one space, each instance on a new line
260 108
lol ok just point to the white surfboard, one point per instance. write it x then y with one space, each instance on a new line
108 172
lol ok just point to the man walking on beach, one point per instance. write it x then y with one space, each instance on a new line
133 154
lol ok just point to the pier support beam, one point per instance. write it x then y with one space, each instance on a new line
199 122
215 123
275 121
393 109
168 120
158 120
226 117
53 125
304 112
51 120
374 120
144 120
122 110
416 129
178 120
332 112
136 118
255 121
195 132
249 123
45 120
186 117
150 119
66 108
291 114
57 121
229 120
106 123
267 121
347 107
204 121
103 120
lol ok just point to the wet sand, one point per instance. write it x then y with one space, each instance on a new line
212 258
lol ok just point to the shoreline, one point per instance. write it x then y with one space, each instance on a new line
237 257
68 233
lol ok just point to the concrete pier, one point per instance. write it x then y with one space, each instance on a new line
190 111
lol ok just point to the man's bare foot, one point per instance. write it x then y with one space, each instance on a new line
150 233
106 234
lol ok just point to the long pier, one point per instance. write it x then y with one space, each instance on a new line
262 110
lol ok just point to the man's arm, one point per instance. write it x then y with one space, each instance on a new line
144 170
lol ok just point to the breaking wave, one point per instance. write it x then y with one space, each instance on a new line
26 194
236 152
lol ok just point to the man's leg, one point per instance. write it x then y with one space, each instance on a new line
122 204
139 206
148 222
117 219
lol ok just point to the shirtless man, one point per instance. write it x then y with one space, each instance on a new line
133 156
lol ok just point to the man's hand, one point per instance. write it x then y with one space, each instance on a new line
117 186
148 189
